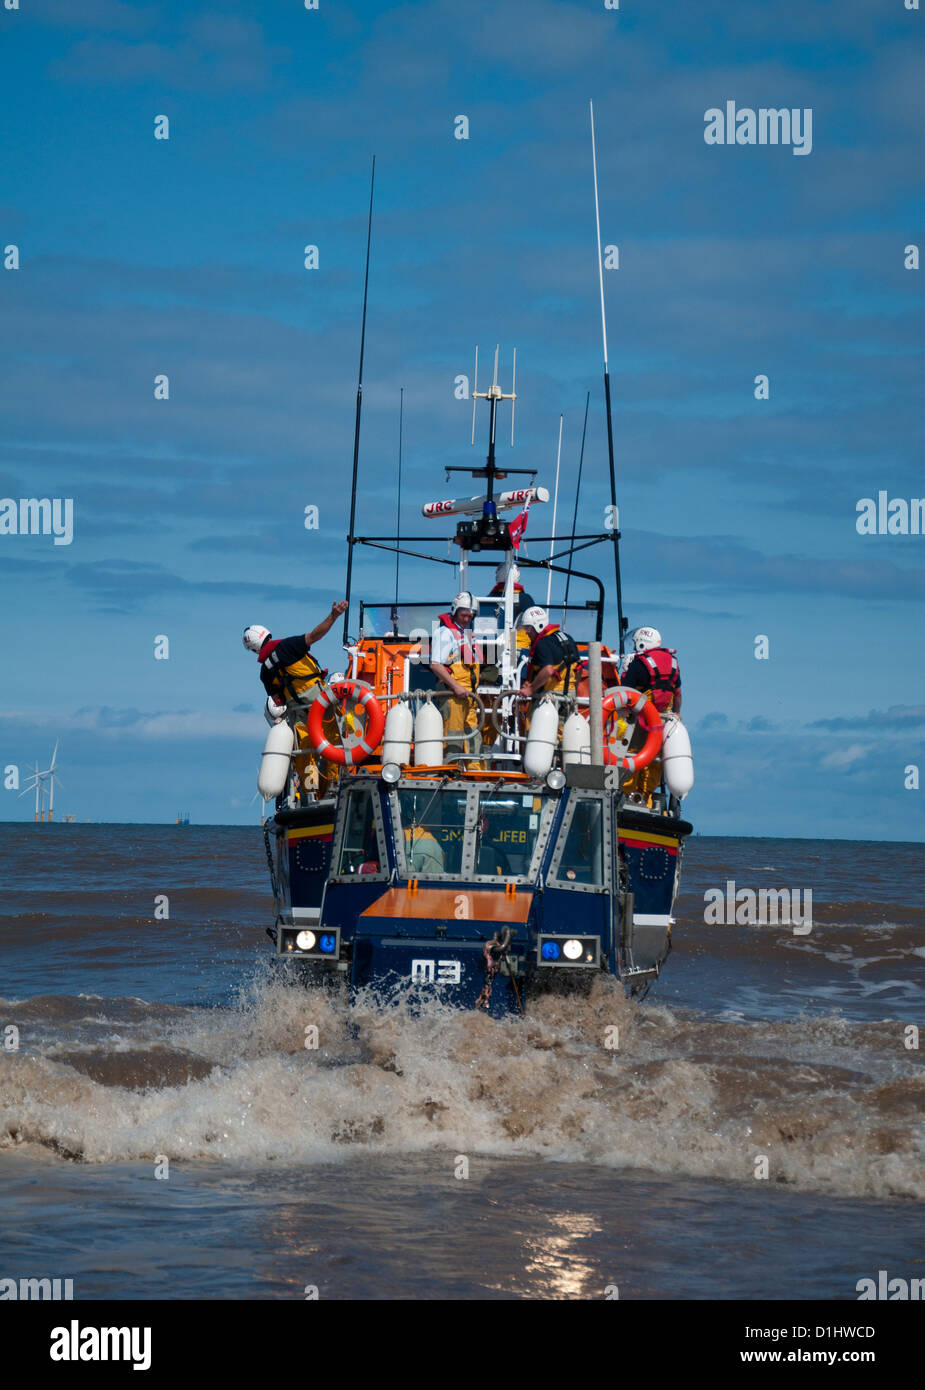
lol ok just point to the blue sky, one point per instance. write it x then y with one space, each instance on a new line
184 257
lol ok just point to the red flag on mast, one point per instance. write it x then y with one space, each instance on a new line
519 525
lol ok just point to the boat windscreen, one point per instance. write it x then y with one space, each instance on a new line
579 622
359 852
507 828
433 826
413 620
579 858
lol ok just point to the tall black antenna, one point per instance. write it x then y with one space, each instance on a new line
351 541
613 481
581 459
401 414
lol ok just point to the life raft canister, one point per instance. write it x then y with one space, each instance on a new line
665 675
624 698
327 697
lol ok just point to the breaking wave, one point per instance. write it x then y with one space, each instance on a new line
835 1106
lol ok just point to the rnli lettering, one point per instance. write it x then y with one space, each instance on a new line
441 972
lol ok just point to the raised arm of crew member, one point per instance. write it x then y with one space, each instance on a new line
324 627
287 667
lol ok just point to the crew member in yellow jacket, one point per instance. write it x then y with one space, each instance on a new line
423 851
454 660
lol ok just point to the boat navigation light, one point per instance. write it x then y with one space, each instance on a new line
305 940
550 950
555 779
327 943
391 772
572 950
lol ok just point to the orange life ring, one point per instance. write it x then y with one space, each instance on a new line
327 696
625 698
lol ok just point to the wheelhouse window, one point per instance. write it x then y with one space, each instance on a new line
431 830
507 830
361 847
579 859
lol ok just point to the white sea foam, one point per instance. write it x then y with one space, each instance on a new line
834 1106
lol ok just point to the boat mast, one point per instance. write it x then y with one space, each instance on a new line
401 418
581 459
555 508
351 539
613 483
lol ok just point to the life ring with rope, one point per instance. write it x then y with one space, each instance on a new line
640 705
366 743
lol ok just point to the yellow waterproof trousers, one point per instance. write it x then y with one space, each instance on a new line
460 715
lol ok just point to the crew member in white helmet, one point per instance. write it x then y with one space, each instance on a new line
287 667
553 655
654 671
455 661
522 600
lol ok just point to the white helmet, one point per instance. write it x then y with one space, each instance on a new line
535 617
644 638
501 573
255 636
274 710
463 600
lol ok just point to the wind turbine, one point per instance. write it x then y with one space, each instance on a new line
39 787
52 779
263 804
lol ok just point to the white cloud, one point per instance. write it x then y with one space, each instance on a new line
846 757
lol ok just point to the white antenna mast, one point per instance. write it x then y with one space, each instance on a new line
495 390
493 394
513 394
597 218
555 503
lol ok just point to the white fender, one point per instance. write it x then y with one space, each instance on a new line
576 740
677 761
542 739
274 765
428 736
396 746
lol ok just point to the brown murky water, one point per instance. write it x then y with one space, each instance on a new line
452 1155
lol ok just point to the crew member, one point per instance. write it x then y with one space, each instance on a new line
423 852
490 674
287 667
654 671
454 660
553 656
522 600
